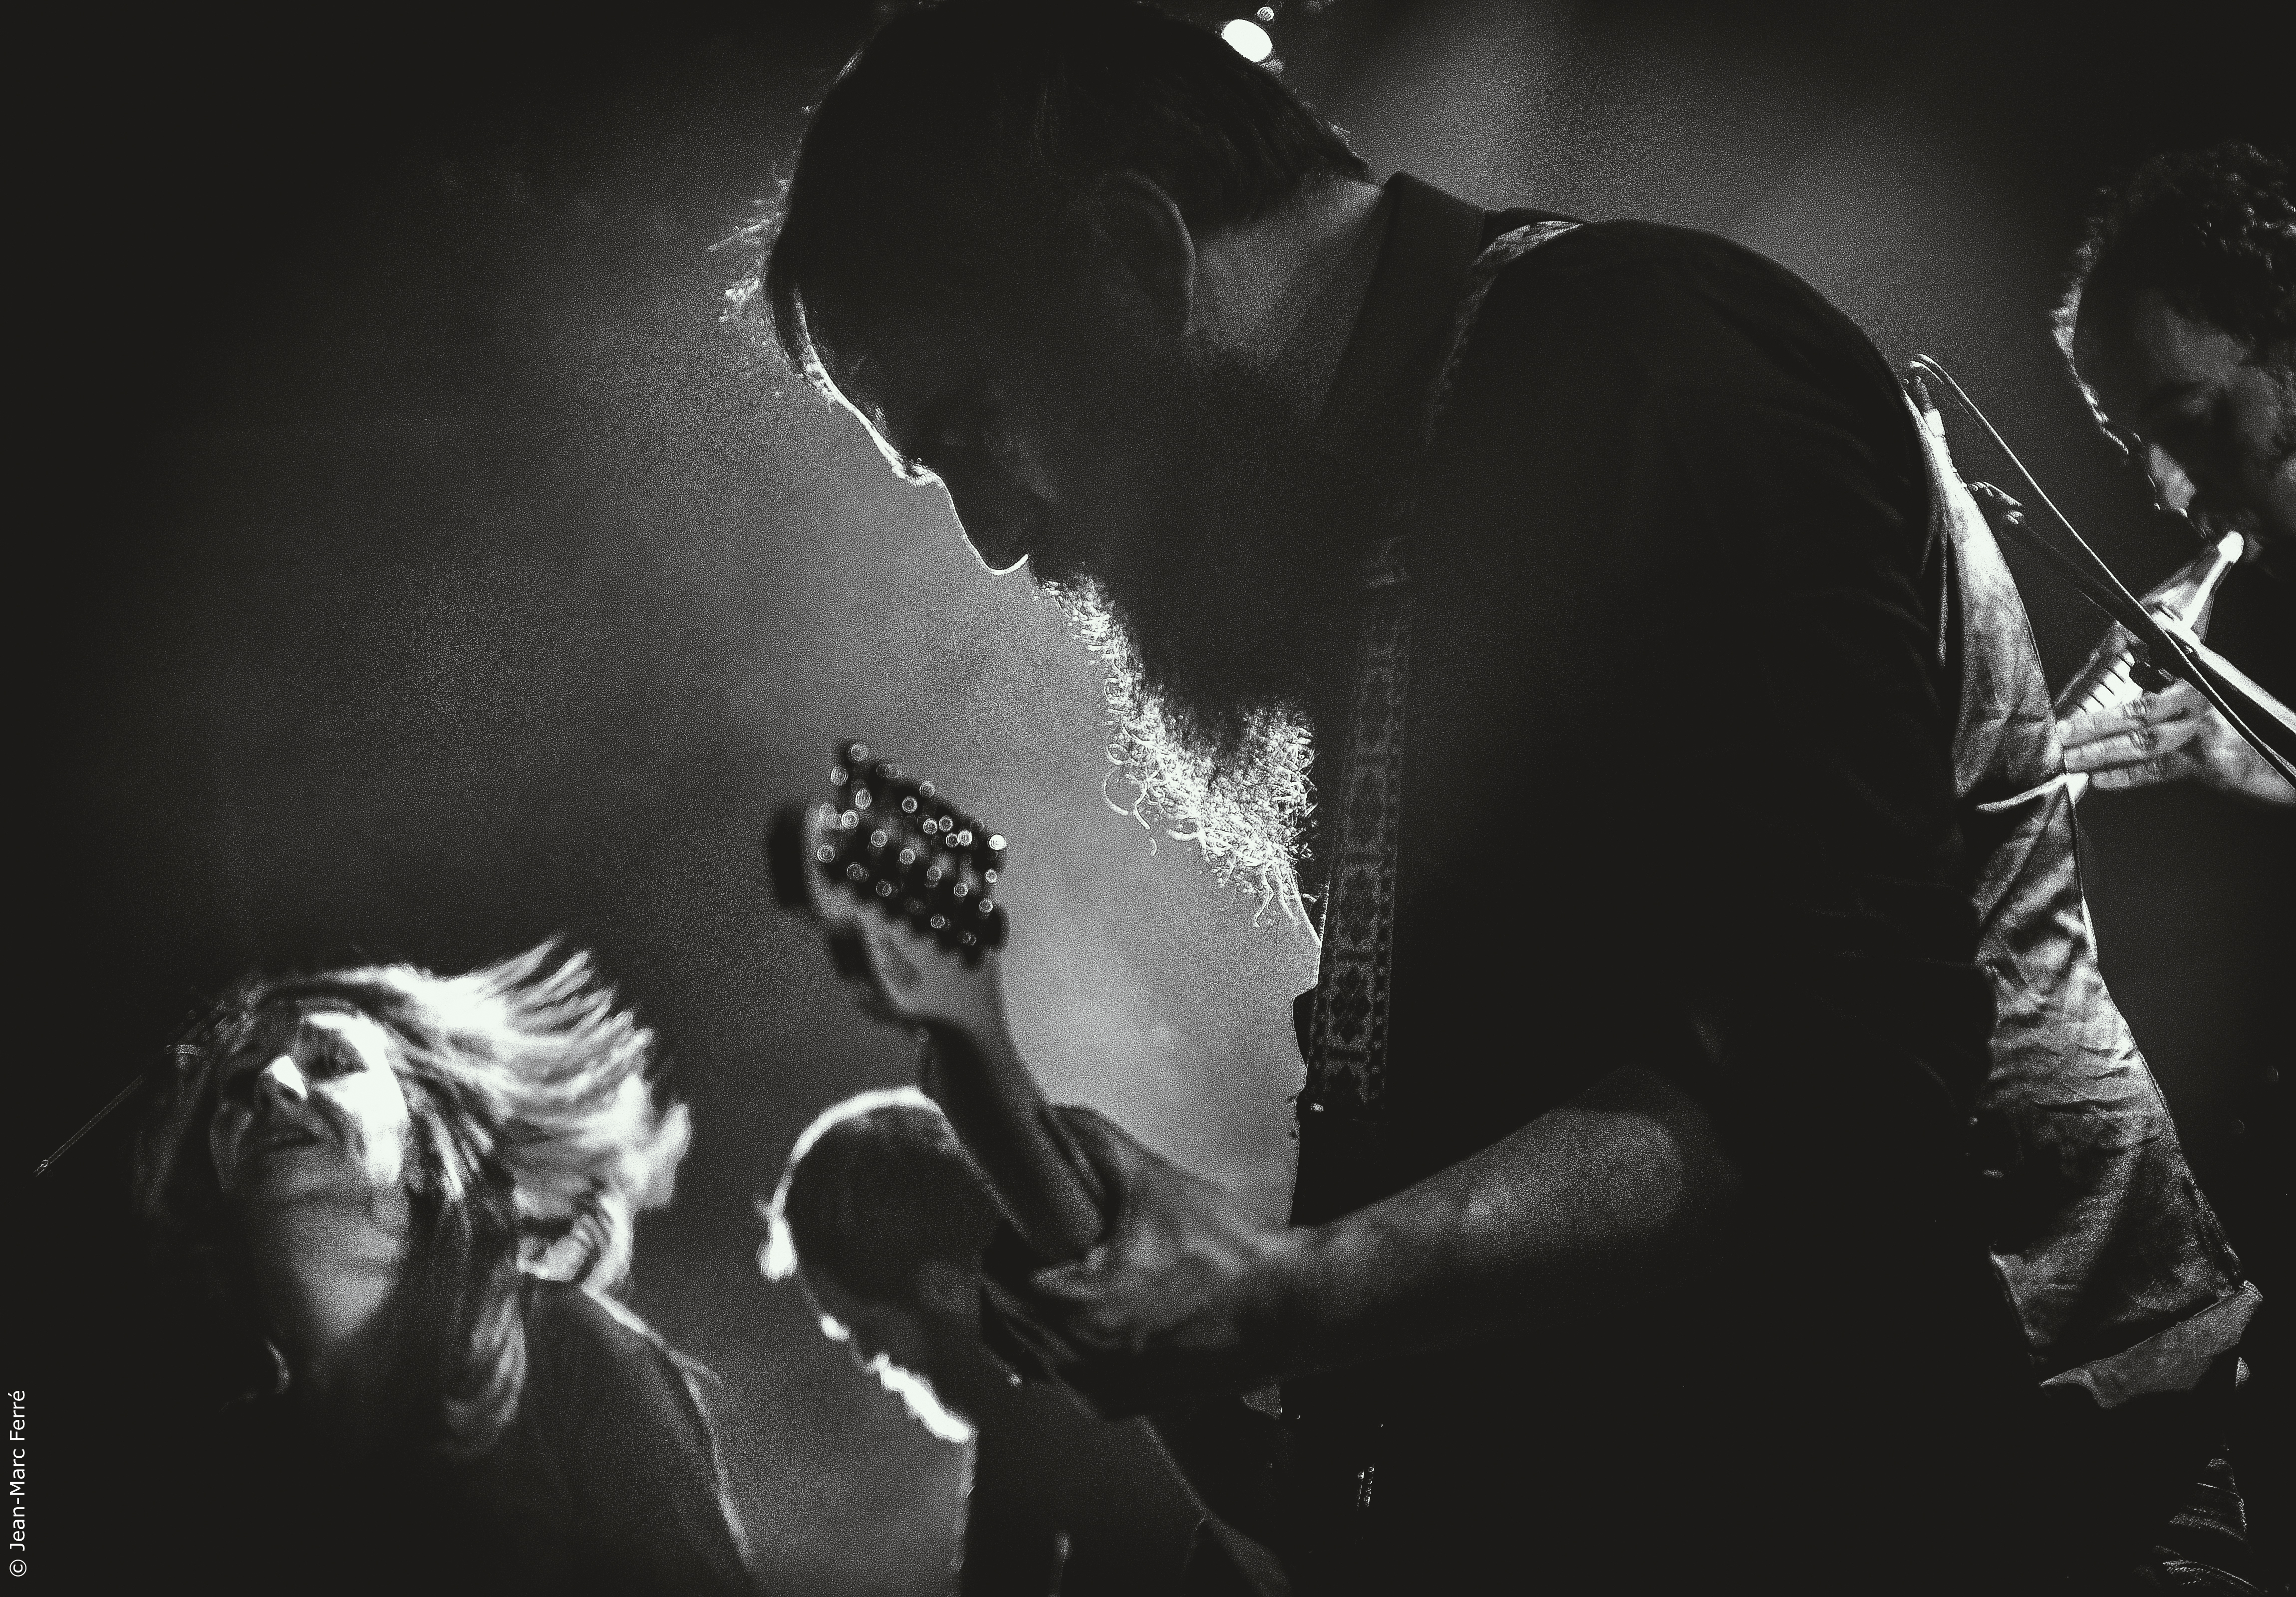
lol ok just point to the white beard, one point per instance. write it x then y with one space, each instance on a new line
1247 815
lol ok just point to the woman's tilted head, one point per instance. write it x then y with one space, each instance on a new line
501 1122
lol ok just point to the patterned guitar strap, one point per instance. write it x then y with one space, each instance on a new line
1335 1421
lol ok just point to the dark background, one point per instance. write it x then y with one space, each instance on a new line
408 565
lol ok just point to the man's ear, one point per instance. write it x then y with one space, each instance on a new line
943 1286
1137 248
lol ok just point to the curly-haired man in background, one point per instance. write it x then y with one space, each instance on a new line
2180 326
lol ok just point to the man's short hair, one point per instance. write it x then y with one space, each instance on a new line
945 153
876 1188
2212 231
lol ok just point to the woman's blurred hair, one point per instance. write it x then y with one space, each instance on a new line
534 1143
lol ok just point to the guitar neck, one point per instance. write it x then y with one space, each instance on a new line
1219 1448
905 887
1024 1155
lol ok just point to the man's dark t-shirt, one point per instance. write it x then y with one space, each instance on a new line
1678 792
1042 1470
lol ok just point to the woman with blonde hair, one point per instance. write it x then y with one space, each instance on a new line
417 1193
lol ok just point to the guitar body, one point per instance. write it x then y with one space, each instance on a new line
904 887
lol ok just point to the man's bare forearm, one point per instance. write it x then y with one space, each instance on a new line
1606 1198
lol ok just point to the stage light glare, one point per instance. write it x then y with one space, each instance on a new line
1249 39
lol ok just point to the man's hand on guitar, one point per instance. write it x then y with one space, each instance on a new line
2172 735
1183 1297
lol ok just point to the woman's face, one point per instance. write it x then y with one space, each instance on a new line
311 1109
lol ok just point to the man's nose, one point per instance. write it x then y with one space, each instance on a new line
1003 555
1000 521
1001 543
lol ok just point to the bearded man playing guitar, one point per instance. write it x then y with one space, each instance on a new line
1695 1188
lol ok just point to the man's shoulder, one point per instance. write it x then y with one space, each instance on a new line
1672 300
1585 328
1651 254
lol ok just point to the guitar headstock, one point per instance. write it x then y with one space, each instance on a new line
904 887
886 839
